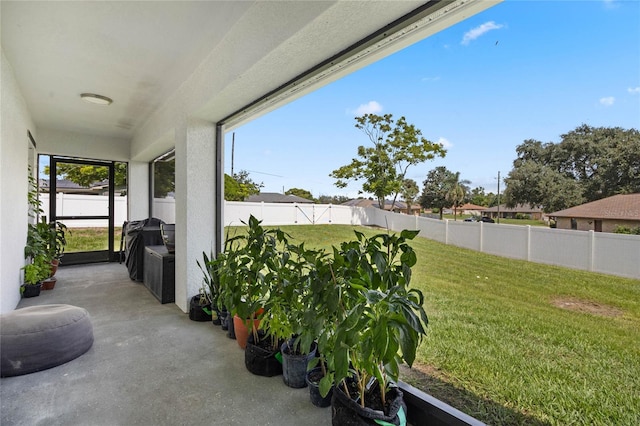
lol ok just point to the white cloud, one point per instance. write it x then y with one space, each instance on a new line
372 107
634 90
478 31
608 101
445 143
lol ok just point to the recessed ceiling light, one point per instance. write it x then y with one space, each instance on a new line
96 99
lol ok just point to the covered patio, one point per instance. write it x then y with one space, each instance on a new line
149 364
179 75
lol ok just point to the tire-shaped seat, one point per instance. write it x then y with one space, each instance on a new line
41 337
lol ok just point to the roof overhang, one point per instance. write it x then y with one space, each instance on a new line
227 62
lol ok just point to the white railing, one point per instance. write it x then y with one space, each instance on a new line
614 254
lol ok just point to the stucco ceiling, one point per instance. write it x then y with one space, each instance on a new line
163 61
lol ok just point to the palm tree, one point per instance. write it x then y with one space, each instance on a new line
457 193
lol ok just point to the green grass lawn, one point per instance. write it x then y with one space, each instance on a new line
522 222
512 342
517 343
89 239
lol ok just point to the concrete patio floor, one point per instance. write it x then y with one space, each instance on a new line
149 365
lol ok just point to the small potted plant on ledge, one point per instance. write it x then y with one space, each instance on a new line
34 273
57 242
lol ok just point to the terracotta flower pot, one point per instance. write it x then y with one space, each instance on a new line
54 266
241 331
49 283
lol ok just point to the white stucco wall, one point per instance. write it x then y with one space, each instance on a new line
58 142
195 202
15 156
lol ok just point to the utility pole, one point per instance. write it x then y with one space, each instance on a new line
498 196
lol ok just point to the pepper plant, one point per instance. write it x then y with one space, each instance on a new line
380 318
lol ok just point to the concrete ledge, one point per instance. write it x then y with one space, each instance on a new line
423 409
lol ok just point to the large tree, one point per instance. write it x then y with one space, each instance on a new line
85 174
299 192
240 186
409 192
397 145
437 185
333 199
588 164
457 193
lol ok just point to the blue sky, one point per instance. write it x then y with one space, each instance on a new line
520 70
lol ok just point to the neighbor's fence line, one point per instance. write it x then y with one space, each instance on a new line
86 205
614 254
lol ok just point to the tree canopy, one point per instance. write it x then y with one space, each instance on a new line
397 145
85 174
457 193
333 199
240 186
588 164
409 191
436 188
299 192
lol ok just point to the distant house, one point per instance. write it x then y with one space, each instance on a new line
471 209
69 187
398 207
275 197
520 210
601 215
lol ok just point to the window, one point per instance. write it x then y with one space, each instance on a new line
163 187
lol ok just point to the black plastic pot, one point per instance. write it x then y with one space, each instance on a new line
31 290
294 366
347 412
231 331
216 316
261 361
198 312
314 390
224 318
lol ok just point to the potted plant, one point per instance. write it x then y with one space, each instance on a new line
200 306
382 325
34 273
57 242
323 311
43 239
211 279
246 278
284 317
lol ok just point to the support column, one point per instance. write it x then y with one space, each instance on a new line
195 204
138 190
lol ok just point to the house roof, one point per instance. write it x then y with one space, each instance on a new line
469 206
621 206
519 208
275 197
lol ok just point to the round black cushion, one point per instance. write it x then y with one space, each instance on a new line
41 337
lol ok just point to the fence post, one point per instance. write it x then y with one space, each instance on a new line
528 242
481 237
446 231
592 236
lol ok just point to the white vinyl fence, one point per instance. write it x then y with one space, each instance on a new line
86 205
614 254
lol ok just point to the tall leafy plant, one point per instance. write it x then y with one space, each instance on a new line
248 274
381 318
